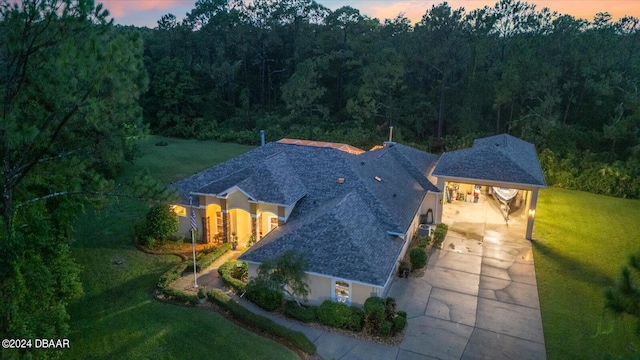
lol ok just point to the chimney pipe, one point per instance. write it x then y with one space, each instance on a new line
261 137
390 133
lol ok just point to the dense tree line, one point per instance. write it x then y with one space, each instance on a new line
69 116
298 69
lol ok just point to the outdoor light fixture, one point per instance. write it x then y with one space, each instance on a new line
532 212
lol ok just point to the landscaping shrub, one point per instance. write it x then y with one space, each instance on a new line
236 310
227 271
423 241
389 308
302 313
263 296
147 241
439 234
160 223
374 314
386 329
381 317
240 271
418 258
171 275
404 268
181 296
204 261
340 315
399 323
356 319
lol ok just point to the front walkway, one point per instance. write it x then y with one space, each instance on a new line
478 298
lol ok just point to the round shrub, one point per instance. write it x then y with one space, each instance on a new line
418 258
399 323
386 329
264 297
333 314
160 223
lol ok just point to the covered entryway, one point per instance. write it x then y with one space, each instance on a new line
493 164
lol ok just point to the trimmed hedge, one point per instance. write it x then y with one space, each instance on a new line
207 259
181 296
171 275
303 313
264 297
226 270
340 316
418 258
295 338
439 234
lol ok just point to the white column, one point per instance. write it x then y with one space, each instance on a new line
531 213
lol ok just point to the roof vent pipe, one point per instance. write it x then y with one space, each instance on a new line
390 133
261 137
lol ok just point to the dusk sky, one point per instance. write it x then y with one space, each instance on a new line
148 12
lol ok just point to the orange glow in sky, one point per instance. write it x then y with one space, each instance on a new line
148 12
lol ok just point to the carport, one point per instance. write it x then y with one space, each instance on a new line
501 161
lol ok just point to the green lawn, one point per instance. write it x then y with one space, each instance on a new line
118 318
581 240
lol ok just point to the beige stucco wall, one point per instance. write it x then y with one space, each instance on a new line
238 200
184 224
361 293
320 289
267 207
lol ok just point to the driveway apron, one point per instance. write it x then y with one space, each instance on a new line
478 298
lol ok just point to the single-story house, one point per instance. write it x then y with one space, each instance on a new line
352 213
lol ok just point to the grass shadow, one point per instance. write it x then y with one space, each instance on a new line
579 270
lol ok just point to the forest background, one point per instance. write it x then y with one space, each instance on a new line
297 69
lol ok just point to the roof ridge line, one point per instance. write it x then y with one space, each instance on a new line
225 177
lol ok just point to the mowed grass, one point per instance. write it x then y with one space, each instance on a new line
581 241
118 318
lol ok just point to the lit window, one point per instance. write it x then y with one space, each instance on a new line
219 228
179 210
342 292
273 223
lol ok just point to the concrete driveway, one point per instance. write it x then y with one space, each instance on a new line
478 298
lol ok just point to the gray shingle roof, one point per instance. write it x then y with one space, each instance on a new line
343 228
263 173
344 246
500 158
